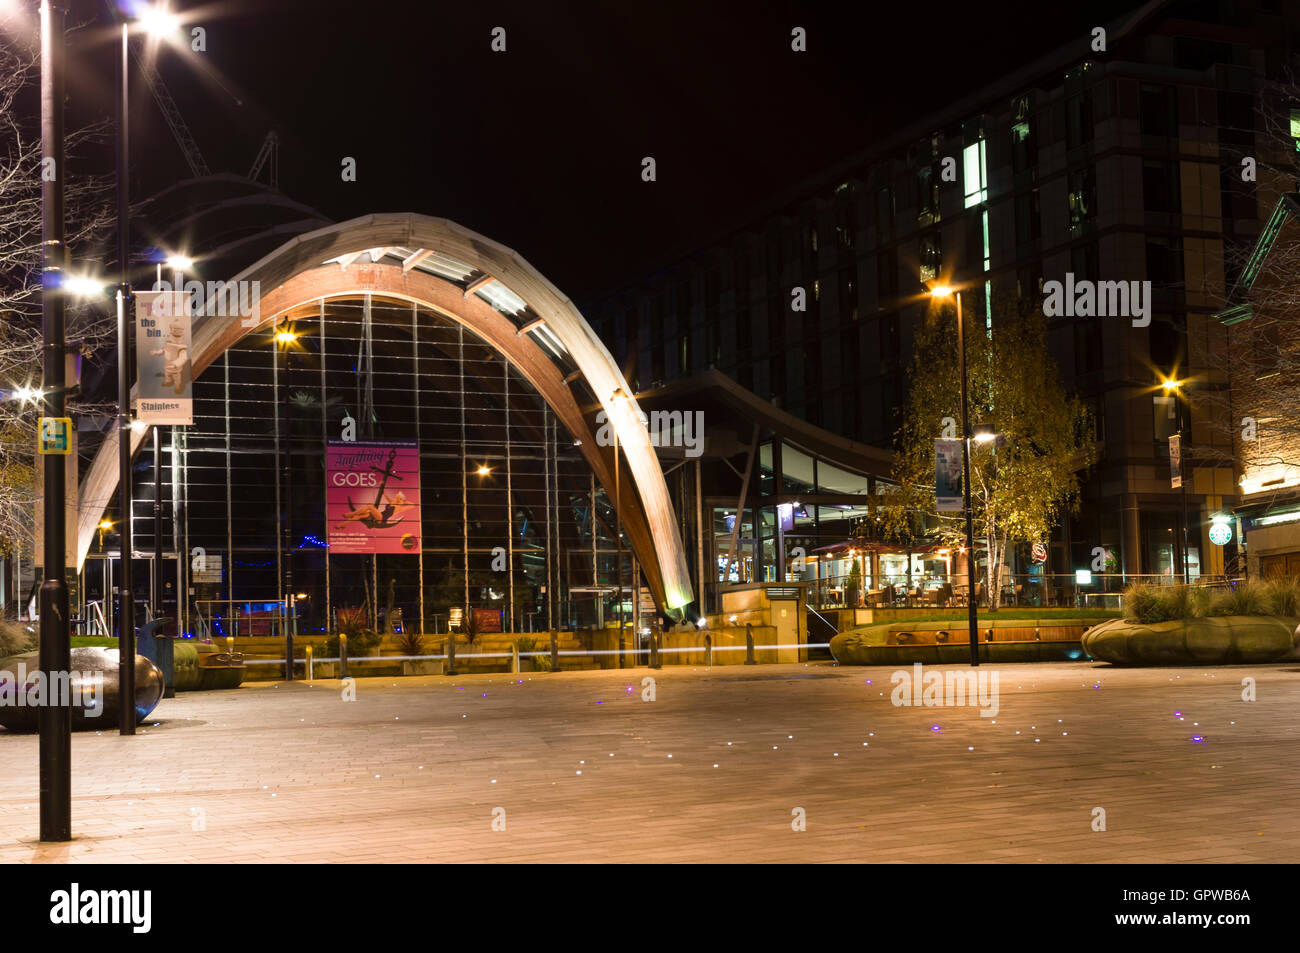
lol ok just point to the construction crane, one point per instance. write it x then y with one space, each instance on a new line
270 151
190 148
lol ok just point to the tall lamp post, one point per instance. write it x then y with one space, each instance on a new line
618 398
942 291
55 721
285 338
157 21
1174 389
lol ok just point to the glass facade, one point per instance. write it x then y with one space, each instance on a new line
511 517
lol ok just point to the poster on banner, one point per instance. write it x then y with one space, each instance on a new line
1175 461
947 475
372 502
164 385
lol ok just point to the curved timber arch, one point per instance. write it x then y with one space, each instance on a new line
505 302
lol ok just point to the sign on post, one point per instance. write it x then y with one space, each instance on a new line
165 385
54 436
1175 461
947 475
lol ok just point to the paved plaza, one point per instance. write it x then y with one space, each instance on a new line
713 769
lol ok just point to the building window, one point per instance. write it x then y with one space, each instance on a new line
927 196
884 215
848 295
1082 197
930 256
1024 145
776 324
1087 347
1078 119
1158 107
1164 260
1084 261
888 339
975 174
886 275
845 226
1161 191
1028 217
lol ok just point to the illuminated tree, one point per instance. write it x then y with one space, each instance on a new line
1023 483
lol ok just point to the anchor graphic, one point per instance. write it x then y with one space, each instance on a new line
386 512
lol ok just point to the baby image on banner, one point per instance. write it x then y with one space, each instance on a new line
162 356
373 499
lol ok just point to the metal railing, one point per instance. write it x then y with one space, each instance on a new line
1059 590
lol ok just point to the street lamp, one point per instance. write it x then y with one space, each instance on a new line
618 398
285 338
1173 389
942 291
55 720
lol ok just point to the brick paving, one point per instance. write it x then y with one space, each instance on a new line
710 771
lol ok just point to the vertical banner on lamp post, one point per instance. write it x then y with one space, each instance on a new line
1175 461
164 386
373 499
947 475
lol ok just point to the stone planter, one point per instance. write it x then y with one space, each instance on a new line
1226 640
422 667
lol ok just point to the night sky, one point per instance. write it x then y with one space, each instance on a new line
540 147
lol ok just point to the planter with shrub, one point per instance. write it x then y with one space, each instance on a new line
1191 625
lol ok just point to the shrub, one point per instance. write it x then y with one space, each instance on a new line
1142 603
16 638
362 640
1245 598
1284 594
525 645
411 643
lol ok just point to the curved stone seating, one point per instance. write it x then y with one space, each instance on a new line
933 642
1225 640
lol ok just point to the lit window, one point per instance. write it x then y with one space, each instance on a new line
975 166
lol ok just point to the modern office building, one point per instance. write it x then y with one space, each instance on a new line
1108 165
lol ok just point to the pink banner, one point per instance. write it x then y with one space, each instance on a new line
373 499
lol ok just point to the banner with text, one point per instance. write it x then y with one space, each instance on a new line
373 499
947 475
165 383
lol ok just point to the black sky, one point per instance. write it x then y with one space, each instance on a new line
540 147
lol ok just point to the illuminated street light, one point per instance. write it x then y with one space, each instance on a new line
285 336
82 286
483 470
179 262
157 20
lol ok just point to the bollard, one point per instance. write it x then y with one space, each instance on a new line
749 644
310 670
555 653
708 650
514 659
288 657
451 655
343 655
622 646
230 645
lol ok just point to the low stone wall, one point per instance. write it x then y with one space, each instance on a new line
1000 640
